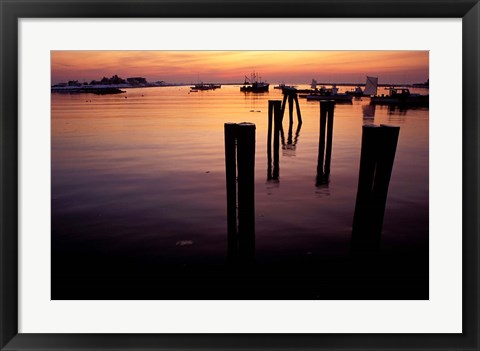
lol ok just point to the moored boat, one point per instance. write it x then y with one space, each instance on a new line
284 86
400 96
370 88
254 84
329 94
205 86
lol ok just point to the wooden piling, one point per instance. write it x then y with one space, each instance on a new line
284 103
364 202
299 114
377 157
231 184
290 116
387 142
278 117
269 139
321 140
246 188
328 151
325 141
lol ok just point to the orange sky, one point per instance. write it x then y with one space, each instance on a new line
232 66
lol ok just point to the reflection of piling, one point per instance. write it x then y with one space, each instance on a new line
379 146
368 112
325 146
275 116
290 148
240 159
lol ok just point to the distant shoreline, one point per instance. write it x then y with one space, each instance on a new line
116 88
99 89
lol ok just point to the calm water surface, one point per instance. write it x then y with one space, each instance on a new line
138 181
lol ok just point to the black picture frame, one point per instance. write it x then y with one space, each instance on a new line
12 10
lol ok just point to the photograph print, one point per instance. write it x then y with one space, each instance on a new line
239 175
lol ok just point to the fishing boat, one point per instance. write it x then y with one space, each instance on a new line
254 84
329 94
400 96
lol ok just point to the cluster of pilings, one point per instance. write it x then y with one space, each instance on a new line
276 111
378 150
292 98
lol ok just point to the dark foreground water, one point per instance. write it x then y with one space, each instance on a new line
139 201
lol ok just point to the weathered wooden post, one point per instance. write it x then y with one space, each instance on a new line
299 114
284 102
278 118
274 107
290 117
325 146
269 140
246 188
240 165
328 151
230 130
379 144
271 104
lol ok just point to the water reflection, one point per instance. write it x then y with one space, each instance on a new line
290 146
133 177
368 112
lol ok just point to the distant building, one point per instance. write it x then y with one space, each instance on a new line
136 81
74 83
